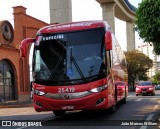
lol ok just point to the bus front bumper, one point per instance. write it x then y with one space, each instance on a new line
67 102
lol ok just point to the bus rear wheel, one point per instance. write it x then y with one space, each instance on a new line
124 100
59 113
113 108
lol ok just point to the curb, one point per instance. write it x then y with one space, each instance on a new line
16 104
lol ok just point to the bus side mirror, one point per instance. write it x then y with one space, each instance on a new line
108 40
24 44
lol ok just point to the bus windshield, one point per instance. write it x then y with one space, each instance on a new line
69 58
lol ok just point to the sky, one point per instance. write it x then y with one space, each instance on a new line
81 10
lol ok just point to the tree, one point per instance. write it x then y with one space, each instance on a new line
148 23
138 65
156 78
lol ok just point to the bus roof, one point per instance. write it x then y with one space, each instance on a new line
72 26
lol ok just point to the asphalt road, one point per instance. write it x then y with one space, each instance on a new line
140 112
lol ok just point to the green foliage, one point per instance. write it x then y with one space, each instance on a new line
138 65
148 22
143 77
156 78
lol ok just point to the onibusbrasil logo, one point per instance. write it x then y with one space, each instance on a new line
21 123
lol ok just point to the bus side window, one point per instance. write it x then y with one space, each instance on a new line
108 59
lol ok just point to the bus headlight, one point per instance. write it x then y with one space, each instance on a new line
40 93
98 89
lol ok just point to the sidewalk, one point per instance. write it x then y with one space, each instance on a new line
15 104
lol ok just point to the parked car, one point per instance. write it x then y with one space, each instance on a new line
145 88
157 87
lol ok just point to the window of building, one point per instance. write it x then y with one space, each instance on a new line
7 87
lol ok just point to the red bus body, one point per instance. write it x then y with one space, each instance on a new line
99 93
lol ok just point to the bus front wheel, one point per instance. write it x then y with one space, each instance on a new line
59 113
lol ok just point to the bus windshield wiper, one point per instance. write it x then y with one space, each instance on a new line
61 42
77 67
60 58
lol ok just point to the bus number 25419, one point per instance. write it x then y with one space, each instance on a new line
66 90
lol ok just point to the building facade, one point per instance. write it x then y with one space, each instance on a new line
147 49
14 70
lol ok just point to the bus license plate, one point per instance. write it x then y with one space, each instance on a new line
68 107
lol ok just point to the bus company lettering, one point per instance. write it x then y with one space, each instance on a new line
52 37
70 25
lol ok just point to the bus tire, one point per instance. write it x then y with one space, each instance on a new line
59 113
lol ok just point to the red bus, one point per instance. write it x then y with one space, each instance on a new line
77 66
